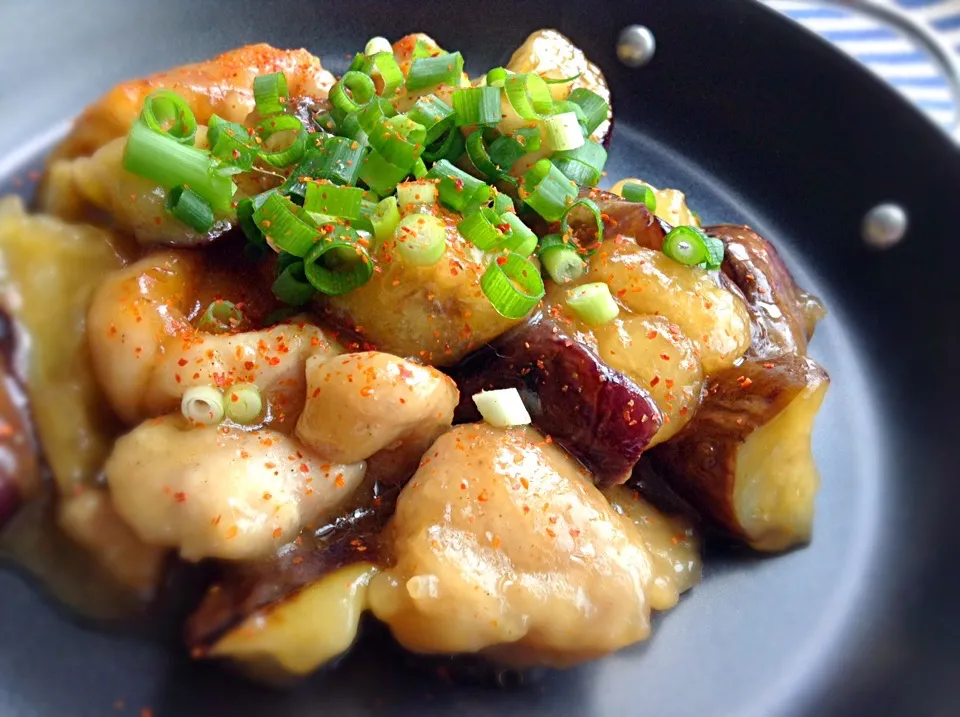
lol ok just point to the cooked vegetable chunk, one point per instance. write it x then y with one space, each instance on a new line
360 404
601 416
671 204
744 462
222 492
488 538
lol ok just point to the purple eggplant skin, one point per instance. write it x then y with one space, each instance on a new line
783 316
600 416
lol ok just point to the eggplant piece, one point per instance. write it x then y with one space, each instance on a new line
783 316
602 417
744 462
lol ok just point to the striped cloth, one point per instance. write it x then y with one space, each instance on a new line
894 54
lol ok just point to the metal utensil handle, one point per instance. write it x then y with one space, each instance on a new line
900 19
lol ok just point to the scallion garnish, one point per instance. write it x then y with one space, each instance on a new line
343 159
170 164
376 45
513 285
497 76
337 264
594 107
230 143
564 131
593 303
279 220
450 147
220 317
384 65
269 93
529 138
166 112
416 193
399 140
458 190
435 115
547 191
560 259
519 238
502 408
361 90
427 72
691 246
421 239
190 208
634 192
529 95
590 206
477 106
380 175
505 151
477 152
333 200
583 165
291 285
502 203
385 219
243 403
481 227
285 156
202 405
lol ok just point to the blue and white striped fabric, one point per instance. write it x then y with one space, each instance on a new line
892 53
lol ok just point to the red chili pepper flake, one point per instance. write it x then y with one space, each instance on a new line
483 497
745 382
339 480
231 532
366 391
182 362
304 468
652 334
180 496
458 183
277 532
655 381
665 356
768 365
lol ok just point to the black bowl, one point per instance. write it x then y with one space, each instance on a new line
760 123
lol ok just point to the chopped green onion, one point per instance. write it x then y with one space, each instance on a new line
243 403
497 76
379 174
594 107
477 152
170 164
385 219
421 239
166 112
458 190
450 147
269 93
505 151
564 80
229 143
295 186
529 138
419 169
547 191
502 203
292 152
422 49
384 65
246 208
529 95
567 106
428 72
350 127
220 317
333 200
481 227
519 239
434 114
337 264
361 91
690 246
595 212
292 287
513 285
560 259
564 132
344 159
190 208
502 408
593 303
583 165
374 113
641 193
202 405
325 122
279 220
477 106
416 193
376 45
399 140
